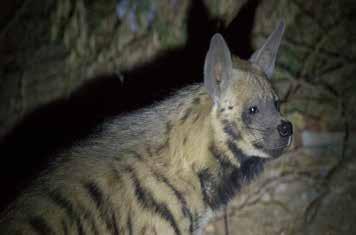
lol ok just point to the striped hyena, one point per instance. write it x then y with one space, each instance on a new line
167 168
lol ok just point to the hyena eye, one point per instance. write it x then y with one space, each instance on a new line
277 103
253 110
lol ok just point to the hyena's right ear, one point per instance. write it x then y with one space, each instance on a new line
217 67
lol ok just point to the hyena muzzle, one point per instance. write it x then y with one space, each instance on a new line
167 168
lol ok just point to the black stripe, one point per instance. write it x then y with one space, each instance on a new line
185 140
65 227
163 146
147 201
40 225
196 100
103 205
186 115
118 178
166 142
80 228
204 178
168 128
214 152
129 224
95 193
219 189
252 167
224 162
219 186
236 151
184 205
258 145
231 130
74 216
116 230
196 117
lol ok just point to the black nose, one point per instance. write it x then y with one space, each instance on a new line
285 129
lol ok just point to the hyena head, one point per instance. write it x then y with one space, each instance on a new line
246 111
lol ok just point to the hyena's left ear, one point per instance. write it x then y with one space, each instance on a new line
217 67
265 57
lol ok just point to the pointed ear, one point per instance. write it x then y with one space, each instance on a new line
217 67
265 57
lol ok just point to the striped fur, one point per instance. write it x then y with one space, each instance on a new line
161 170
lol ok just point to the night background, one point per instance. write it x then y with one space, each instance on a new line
66 66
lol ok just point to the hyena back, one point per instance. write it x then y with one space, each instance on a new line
165 169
